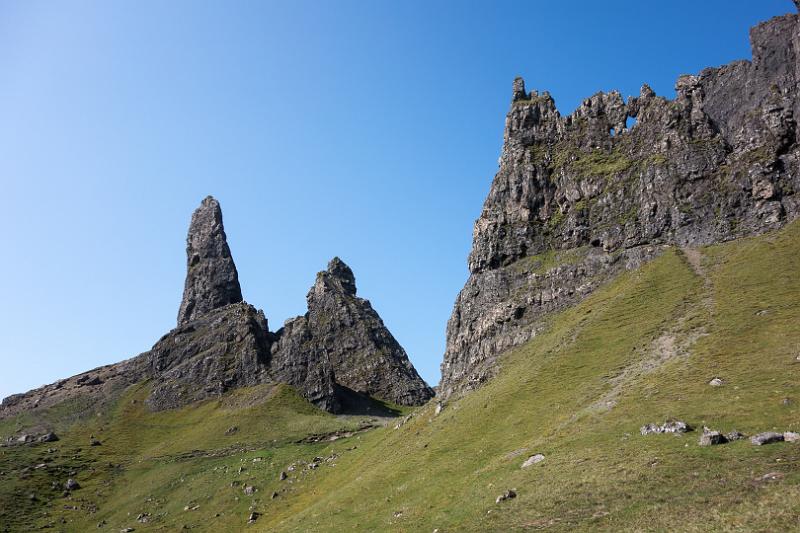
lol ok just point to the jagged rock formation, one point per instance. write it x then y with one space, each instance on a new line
345 331
578 199
211 277
221 342
341 341
205 357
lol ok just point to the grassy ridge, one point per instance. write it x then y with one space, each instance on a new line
639 350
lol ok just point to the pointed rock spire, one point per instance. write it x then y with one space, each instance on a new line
340 273
364 354
211 277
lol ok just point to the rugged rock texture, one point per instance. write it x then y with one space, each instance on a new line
344 331
89 391
211 277
339 347
221 350
578 199
297 360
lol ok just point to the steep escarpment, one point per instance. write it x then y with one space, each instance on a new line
222 343
578 199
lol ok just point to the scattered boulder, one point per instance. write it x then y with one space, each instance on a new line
253 517
48 437
791 436
734 435
532 460
711 437
670 426
95 442
94 380
507 495
71 484
716 382
438 408
767 437
282 476
249 490
231 430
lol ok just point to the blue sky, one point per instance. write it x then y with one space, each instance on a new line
369 130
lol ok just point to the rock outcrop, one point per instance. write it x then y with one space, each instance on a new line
577 199
344 331
220 350
222 342
211 277
340 347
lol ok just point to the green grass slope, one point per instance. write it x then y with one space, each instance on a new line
152 466
639 350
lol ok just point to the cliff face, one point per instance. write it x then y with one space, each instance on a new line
578 199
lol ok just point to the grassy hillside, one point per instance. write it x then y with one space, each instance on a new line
640 350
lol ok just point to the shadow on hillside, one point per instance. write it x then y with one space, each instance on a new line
356 403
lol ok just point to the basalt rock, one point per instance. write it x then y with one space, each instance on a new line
344 332
211 278
578 199
205 357
221 343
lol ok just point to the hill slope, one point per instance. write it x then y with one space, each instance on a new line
642 349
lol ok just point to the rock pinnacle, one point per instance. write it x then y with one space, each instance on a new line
211 277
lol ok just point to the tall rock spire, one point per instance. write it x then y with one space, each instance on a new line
211 277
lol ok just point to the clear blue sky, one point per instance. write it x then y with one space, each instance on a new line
369 130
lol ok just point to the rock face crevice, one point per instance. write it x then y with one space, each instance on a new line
580 198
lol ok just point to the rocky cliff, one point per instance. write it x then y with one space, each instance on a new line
221 342
345 330
578 199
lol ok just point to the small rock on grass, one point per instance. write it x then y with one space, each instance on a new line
670 426
711 437
791 436
734 435
507 495
253 517
532 460
767 437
